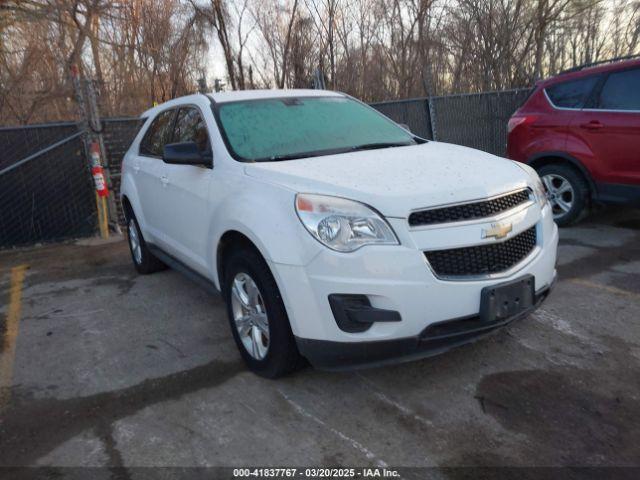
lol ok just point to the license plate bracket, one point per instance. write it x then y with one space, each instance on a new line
504 300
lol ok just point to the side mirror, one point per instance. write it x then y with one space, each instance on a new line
405 126
186 153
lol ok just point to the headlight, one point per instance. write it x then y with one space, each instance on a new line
539 191
538 187
341 224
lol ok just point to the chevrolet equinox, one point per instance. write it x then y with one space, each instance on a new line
333 233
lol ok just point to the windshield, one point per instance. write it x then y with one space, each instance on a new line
297 127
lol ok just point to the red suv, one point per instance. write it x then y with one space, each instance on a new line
581 131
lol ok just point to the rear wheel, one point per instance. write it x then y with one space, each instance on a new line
567 192
257 316
144 261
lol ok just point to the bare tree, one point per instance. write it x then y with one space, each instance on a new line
275 22
146 51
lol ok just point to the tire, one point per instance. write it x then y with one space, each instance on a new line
568 193
143 260
243 266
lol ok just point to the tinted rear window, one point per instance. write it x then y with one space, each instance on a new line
621 91
571 94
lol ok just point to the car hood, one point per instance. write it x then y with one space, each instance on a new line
399 179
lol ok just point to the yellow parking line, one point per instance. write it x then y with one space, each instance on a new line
606 288
11 332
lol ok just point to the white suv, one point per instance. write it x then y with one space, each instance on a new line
333 233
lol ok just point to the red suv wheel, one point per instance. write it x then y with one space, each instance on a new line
567 192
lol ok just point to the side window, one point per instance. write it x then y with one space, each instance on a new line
571 94
621 91
190 127
157 135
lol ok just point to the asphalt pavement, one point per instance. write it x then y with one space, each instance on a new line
102 367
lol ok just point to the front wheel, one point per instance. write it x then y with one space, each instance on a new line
257 316
567 192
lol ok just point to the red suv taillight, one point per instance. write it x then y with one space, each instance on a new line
520 120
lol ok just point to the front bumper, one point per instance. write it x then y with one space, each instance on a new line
399 279
435 339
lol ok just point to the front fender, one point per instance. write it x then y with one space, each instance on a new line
266 215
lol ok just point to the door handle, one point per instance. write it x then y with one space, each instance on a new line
164 180
136 167
592 125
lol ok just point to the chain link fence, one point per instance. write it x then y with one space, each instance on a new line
47 194
477 120
46 189
412 112
118 134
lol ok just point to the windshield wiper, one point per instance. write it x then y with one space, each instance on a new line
294 156
373 146
320 153
289 156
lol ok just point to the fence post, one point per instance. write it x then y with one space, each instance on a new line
432 118
428 87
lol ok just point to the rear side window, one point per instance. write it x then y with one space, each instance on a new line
190 127
621 91
158 134
571 94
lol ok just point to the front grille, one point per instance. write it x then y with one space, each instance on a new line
470 211
482 259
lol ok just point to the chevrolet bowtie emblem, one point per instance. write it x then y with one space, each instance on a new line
497 230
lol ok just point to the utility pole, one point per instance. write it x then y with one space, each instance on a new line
318 79
218 85
202 85
90 123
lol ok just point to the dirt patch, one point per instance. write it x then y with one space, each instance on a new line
65 261
566 415
124 282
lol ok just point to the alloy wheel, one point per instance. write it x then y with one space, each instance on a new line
560 194
134 241
250 315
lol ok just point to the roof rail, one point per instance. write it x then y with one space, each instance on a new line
600 62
